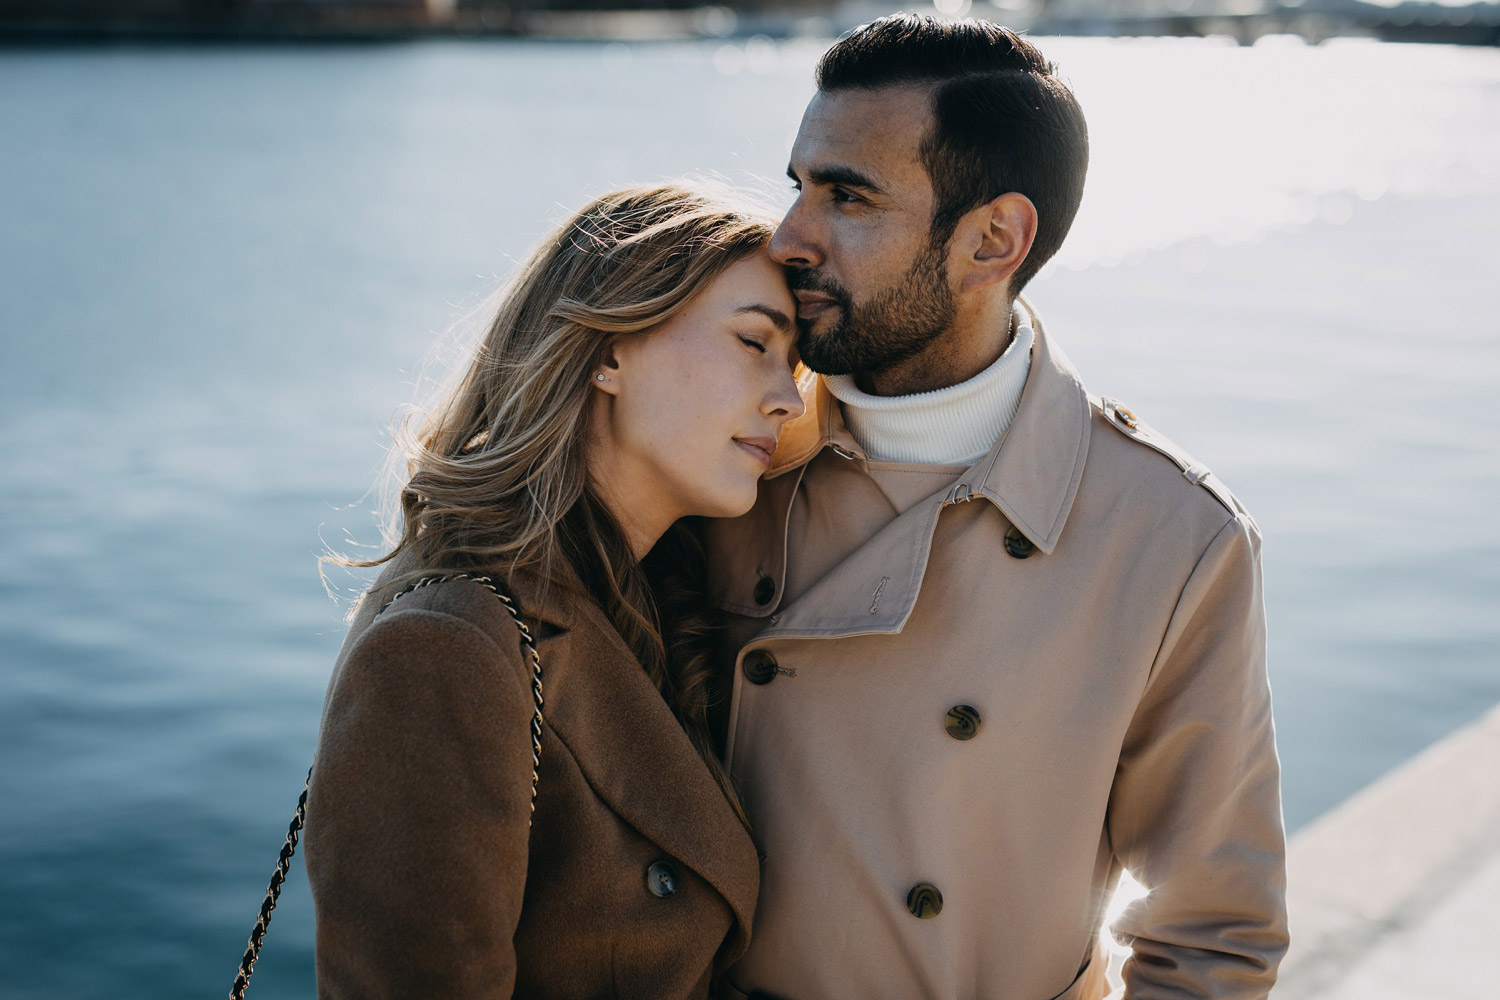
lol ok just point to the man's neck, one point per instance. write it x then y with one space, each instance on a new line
971 345
955 425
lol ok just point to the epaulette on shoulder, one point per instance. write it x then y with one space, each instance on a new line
1124 420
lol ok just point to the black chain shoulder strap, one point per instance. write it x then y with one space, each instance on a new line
284 861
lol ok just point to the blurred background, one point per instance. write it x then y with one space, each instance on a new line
234 229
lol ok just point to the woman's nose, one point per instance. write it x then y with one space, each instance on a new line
784 400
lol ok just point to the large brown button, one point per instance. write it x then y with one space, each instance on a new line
661 879
760 667
765 589
962 722
1017 544
924 901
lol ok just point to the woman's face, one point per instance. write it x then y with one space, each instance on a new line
689 412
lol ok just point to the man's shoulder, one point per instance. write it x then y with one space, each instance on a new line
1137 454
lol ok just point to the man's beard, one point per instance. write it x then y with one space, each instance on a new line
896 324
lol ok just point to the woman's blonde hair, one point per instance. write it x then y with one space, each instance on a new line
496 472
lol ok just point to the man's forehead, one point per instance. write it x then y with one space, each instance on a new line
881 127
913 98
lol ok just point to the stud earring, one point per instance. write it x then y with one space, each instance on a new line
600 376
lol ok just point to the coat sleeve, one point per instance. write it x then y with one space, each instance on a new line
418 814
1195 813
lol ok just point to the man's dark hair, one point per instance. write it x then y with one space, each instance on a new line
1003 121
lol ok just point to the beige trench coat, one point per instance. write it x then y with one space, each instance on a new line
1049 668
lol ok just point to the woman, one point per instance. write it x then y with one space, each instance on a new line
639 371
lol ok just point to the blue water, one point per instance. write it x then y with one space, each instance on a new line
221 270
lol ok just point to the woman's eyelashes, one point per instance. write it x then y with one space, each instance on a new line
753 342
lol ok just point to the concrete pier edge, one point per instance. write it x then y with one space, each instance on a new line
1386 860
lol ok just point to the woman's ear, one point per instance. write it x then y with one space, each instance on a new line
1001 232
607 369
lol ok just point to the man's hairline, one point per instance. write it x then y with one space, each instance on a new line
931 85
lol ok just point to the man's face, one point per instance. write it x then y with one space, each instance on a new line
872 288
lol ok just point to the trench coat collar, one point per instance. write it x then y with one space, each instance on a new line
1031 474
631 748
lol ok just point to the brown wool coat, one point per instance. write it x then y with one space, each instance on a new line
425 877
1008 682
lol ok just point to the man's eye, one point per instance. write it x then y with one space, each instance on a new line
752 342
843 197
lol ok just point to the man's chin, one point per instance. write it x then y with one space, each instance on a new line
815 337
829 362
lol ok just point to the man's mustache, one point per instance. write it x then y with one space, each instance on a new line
806 279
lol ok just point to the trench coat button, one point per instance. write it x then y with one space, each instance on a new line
661 879
962 722
924 901
1125 417
760 667
765 589
1017 544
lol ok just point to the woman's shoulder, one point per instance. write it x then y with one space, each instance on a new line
453 631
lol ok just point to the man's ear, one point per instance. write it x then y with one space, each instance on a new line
608 369
996 237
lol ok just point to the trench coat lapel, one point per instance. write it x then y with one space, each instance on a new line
1033 473
737 567
873 591
631 748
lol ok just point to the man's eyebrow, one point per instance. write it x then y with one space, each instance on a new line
839 174
782 320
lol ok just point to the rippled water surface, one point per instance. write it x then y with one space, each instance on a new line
220 271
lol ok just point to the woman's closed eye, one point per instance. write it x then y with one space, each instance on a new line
753 342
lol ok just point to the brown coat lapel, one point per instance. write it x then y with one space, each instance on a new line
630 747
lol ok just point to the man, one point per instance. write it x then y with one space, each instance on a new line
994 639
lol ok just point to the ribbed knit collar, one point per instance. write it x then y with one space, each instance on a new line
956 425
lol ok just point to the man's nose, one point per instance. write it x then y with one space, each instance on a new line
791 244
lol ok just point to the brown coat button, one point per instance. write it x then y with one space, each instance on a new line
765 589
760 667
1017 544
661 879
924 901
962 722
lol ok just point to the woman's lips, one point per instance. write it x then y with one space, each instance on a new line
760 449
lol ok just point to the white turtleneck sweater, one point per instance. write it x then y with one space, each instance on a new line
957 425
